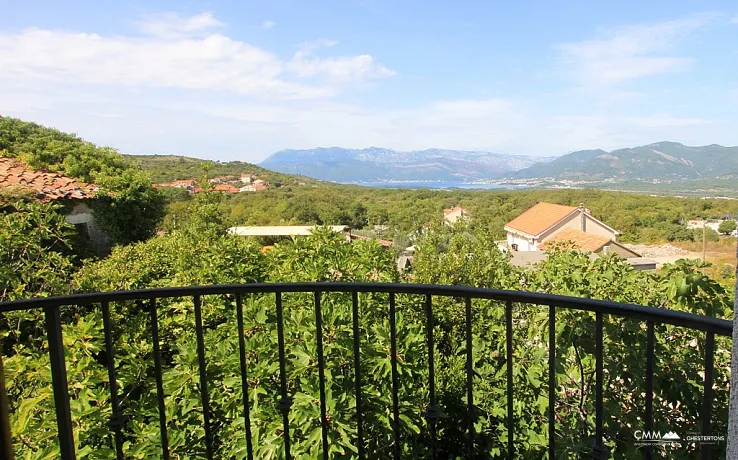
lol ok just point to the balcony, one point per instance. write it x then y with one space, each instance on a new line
371 346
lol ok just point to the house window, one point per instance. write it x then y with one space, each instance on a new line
606 249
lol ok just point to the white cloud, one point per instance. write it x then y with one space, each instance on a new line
628 53
267 25
172 25
178 52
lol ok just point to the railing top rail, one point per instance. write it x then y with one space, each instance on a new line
640 312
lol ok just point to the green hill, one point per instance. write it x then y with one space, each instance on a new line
662 160
166 168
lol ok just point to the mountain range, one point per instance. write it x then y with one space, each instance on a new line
662 160
378 164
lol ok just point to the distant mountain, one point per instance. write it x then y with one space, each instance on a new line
378 164
663 160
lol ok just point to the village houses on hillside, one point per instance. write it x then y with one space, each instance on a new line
227 184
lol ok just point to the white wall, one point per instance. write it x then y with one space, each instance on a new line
523 243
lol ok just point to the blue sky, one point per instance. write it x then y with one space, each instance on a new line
241 80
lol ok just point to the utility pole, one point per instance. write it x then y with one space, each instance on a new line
704 240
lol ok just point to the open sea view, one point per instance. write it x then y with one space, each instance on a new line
436 185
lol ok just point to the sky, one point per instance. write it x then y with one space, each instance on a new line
241 80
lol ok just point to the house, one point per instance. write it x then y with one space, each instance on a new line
247 178
226 188
383 243
247 188
454 214
222 179
188 184
589 242
259 187
284 230
47 186
541 222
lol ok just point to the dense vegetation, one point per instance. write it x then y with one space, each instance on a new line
41 257
641 218
126 207
202 255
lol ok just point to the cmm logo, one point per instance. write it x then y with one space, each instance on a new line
655 437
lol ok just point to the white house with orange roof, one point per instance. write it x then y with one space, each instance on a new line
544 221
454 214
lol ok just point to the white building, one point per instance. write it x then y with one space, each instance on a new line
544 220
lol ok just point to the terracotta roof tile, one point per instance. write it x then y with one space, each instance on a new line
583 241
48 186
226 188
539 218
454 209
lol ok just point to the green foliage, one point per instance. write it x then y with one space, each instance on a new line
641 218
49 149
36 256
458 256
127 207
727 227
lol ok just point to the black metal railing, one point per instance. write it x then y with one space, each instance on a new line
650 315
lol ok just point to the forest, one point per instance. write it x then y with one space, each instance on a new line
41 257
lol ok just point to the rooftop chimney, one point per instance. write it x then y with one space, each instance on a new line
582 220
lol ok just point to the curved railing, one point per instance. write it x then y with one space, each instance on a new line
649 315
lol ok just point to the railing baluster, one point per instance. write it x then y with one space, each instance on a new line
647 452
432 412
6 439
159 383
321 373
357 378
117 420
508 336
285 402
551 382
244 377
395 377
59 382
599 450
203 377
469 381
707 402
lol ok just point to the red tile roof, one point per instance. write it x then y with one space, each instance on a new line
226 188
47 186
583 241
540 218
454 209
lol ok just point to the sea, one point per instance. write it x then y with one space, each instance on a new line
433 185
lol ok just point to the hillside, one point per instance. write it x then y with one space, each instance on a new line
166 168
379 164
662 160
